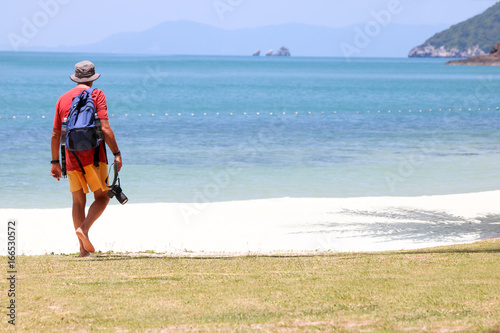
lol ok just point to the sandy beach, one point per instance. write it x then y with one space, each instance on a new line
267 226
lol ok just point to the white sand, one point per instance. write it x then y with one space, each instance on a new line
267 226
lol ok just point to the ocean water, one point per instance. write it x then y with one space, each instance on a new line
199 129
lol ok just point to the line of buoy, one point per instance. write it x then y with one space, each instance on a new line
273 113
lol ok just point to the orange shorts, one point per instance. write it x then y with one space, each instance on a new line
94 178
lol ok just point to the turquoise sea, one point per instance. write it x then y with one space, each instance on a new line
205 128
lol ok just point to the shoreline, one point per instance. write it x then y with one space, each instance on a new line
267 226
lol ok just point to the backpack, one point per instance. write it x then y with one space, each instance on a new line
82 129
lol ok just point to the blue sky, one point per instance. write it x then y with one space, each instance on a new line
73 22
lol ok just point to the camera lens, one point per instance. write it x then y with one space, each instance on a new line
122 198
117 192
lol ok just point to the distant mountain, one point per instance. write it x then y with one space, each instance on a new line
474 36
190 38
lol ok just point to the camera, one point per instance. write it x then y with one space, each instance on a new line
115 190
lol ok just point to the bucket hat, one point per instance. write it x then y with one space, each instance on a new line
84 72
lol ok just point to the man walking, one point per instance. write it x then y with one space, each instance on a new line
92 176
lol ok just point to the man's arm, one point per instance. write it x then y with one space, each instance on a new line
109 138
55 141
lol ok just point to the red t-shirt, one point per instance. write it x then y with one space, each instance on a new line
62 111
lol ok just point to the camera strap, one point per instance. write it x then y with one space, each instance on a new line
115 179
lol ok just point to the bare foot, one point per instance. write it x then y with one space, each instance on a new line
84 254
87 245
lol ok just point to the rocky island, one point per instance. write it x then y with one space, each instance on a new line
283 52
491 59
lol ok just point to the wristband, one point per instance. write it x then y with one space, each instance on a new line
117 154
54 162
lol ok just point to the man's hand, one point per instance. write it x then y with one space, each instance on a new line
118 161
56 171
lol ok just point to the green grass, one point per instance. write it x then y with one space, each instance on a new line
455 288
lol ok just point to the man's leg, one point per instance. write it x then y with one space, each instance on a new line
95 210
79 201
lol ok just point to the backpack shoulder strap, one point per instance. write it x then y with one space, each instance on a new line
79 162
64 171
97 152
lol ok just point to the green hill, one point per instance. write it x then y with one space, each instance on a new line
476 35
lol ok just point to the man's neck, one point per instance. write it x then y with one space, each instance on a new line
83 85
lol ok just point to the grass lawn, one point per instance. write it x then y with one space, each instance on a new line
445 289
